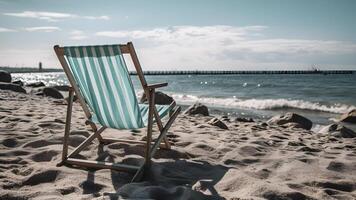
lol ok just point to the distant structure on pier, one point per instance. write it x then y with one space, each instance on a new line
40 66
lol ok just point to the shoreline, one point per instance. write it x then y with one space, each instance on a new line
321 115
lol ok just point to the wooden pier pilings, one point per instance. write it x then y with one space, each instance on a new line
324 72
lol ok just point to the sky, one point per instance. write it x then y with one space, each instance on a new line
186 34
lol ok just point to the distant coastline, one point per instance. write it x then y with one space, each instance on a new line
28 70
193 72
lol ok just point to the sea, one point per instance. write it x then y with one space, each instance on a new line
321 98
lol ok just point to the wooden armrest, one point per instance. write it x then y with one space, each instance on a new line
157 85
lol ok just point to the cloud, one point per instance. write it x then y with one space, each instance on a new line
42 29
182 32
78 35
2 30
228 46
103 17
53 16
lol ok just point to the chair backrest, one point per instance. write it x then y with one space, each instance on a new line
102 77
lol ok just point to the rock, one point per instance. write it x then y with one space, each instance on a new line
225 118
197 108
218 123
292 125
12 87
52 92
204 186
37 84
291 119
349 117
264 124
242 119
18 82
62 87
160 98
5 76
338 130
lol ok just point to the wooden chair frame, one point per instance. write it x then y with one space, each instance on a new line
150 147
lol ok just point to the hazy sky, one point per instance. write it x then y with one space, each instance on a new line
186 35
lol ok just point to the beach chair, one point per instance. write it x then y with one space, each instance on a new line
101 81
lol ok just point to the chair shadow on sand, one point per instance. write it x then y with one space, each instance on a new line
164 180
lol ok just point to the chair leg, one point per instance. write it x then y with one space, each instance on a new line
95 129
67 127
166 144
86 142
149 128
139 174
164 131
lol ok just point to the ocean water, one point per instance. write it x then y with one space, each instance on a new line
321 98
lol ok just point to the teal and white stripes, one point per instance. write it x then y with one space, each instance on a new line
161 109
104 81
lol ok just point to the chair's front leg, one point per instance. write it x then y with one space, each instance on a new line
67 125
149 126
166 144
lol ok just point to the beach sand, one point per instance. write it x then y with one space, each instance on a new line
247 161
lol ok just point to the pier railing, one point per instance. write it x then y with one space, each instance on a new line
189 72
194 72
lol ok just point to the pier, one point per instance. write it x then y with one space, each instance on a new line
192 72
220 72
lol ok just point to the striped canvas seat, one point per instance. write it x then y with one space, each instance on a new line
162 110
104 82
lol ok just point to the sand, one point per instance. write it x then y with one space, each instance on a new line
248 161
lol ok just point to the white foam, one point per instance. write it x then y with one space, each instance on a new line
262 104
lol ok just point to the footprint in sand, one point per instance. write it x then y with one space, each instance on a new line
10 142
284 195
47 176
44 156
250 151
336 166
22 171
183 143
90 187
204 147
295 143
250 161
41 177
308 149
341 185
171 154
14 153
40 143
234 162
74 141
51 125
82 133
67 190
127 149
9 160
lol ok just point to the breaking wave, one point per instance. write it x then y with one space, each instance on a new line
263 104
